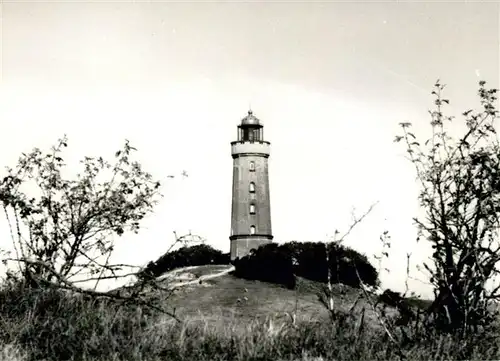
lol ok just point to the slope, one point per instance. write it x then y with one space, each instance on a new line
221 297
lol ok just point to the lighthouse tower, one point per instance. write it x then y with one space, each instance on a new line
251 209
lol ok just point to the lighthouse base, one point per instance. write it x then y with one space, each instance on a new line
242 244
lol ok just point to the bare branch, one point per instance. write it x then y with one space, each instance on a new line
356 221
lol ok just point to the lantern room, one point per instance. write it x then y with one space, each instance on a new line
250 129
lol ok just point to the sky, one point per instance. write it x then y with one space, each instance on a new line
330 81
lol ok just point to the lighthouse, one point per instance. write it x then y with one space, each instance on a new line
251 206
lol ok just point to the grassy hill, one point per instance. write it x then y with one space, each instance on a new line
221 318
231 297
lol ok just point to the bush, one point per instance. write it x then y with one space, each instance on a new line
268 263
64 226
345 263
310 260
459 194
198 255
307 260
349 266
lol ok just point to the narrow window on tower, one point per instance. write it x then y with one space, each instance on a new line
252 229
252 166
252 187
252 208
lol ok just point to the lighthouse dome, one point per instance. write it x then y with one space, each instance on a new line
250 119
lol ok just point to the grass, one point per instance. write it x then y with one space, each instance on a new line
229 296
218 323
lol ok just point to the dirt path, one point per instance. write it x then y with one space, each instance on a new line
203 278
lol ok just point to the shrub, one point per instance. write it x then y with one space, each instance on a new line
307 260
268 263
460 192
346 264
349 266
198 255
310 260
64 226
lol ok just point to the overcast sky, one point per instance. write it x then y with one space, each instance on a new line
329 81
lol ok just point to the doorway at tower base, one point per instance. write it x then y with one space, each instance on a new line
241 245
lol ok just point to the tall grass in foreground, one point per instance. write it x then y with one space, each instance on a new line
51 325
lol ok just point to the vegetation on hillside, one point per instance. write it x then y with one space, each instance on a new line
269 263
64 234
196 255
52 325
280 263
